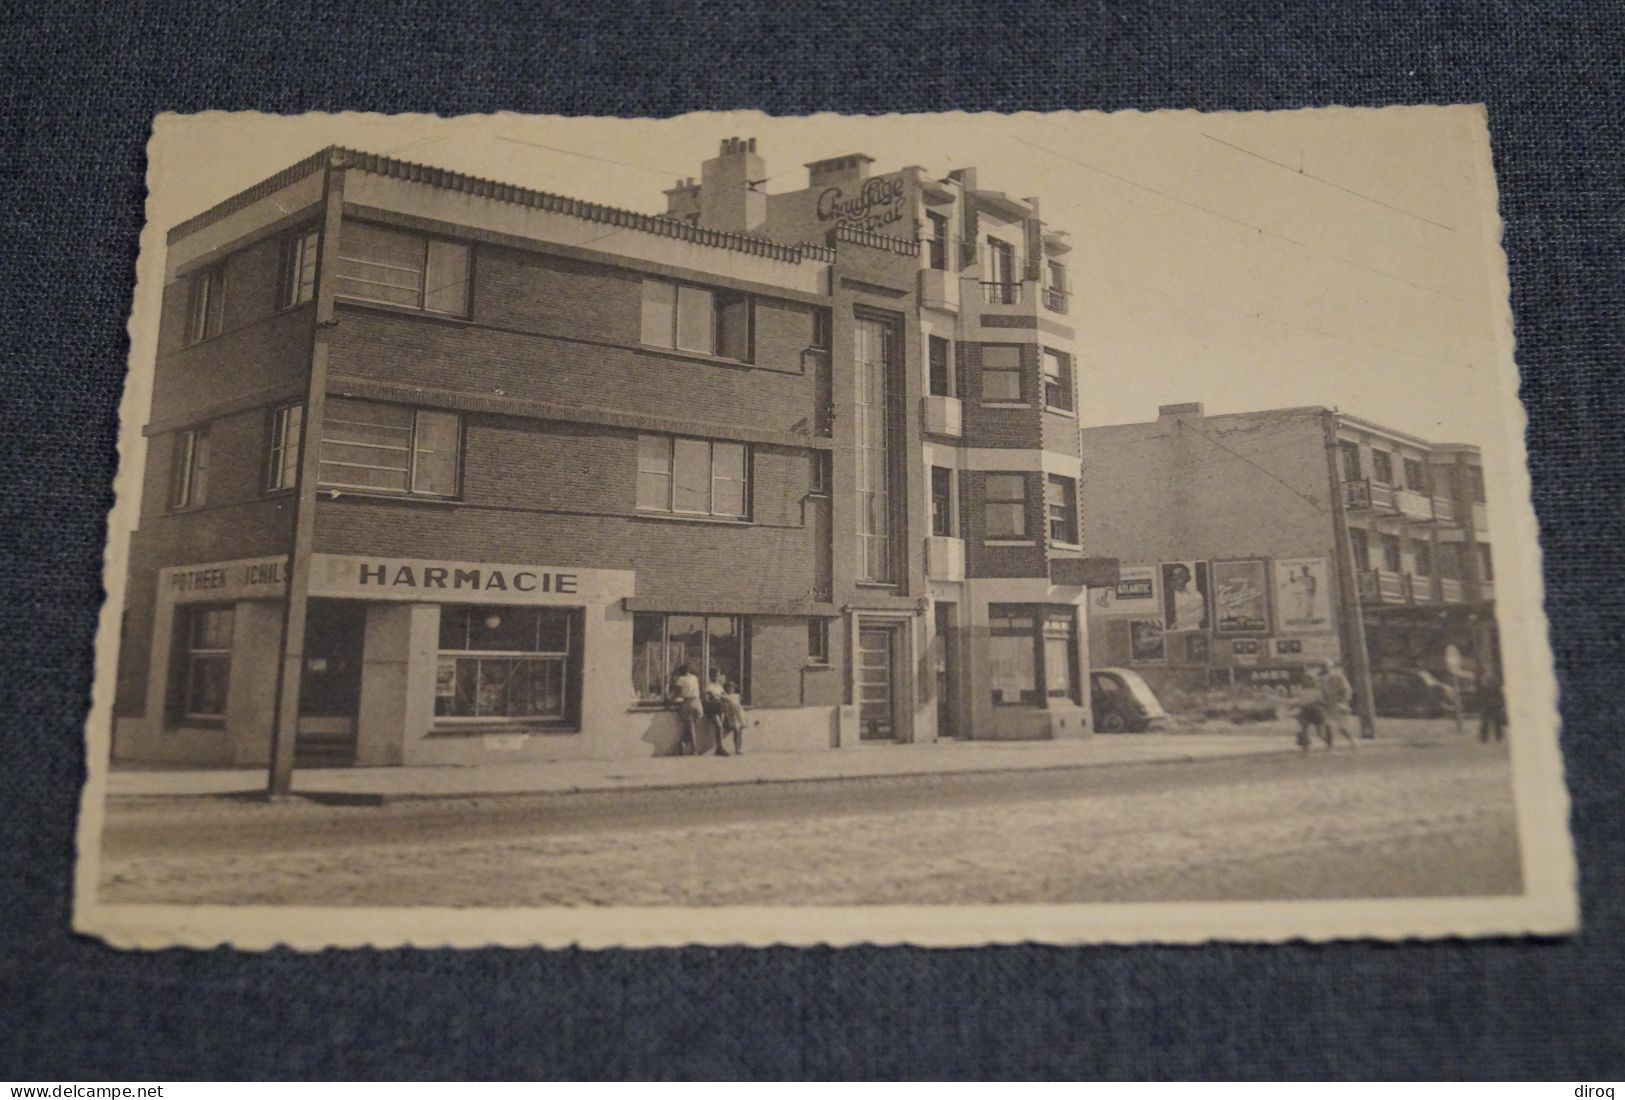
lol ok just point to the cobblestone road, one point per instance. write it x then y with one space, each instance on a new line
1389 821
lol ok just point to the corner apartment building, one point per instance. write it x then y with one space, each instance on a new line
462 470
1226 527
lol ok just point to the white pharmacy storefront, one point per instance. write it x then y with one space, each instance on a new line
406 661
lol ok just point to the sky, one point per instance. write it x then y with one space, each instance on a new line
1332 257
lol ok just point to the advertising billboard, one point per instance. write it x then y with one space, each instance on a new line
1240 596
1185 601
1303 596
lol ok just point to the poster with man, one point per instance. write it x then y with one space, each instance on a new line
1185 604
1303 596
1240 596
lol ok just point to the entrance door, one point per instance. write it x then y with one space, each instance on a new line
947 658
330 685
876 677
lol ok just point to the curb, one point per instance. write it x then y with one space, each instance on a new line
362 798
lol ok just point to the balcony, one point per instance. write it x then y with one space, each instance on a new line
939 289
1413 505
1057 301
1357 494
945 558
1450 590
1444 510
943 416
1001 294
1384 586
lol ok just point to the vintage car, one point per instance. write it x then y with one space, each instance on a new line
1410 693
1122 701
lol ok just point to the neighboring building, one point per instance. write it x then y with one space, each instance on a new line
519 455
1225 527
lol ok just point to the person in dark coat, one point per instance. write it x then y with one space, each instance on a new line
1492 708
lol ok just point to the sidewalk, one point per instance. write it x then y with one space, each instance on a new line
563 776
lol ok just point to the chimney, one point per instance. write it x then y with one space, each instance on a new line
847 168
732 195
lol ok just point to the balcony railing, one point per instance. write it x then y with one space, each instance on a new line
1450 590
1413 505
1001 294
943 415
1386 586
1357 494
1382 496
1056 301
1444 510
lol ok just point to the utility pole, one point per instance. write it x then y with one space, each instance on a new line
290 666
1351 617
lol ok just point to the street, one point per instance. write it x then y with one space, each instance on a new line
1388 821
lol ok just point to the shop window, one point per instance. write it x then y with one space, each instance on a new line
189 472
692 477
1382 467
703 643
1005 506
282 454
1057 380
372 447
692 318
1422 557
1061 508
299 268
1002 373
818 641
941 370
399 268
509 663
202 665
206 309
942 500
1033 654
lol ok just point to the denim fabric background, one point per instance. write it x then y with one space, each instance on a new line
82 82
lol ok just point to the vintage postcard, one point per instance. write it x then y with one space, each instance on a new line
937 529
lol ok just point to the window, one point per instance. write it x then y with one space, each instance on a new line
1351 460
942 498
1034 654
879 412
1362 549
821 323
501 662
1057 380
1001 286
1055 294
397 268
206 310
390 448
1416 478
1475 483
1486 566
937 242
1382 467
1450 560
1061 506
818 641
1001 373
190 471
1006 506
1057 276
822 473
299 268
203 661
1422 555
692 318
661 642
692 477
1390 553
282 456
941 368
